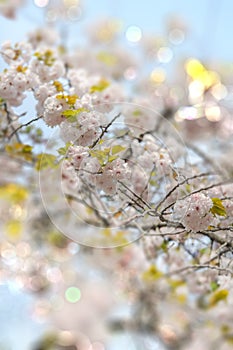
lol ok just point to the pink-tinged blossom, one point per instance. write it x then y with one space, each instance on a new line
41 93
77 154
139 182
106 183
139 117
119 169
53 109
47 72
69 178
18 54
14 84
88 136
163 163
194 212
104 101
81 81
69 132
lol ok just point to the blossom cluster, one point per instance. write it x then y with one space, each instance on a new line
104 178
194 212
80 101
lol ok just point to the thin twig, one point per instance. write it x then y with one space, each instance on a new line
23 125
198 267
178 185
105 129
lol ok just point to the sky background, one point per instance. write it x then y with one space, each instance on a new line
210 22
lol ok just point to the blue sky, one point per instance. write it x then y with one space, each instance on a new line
210 22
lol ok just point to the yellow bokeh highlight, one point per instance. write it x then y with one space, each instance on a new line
13 192
157 76
196 70
13 229
213 113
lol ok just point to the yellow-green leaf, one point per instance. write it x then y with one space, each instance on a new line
20 150
115 238
117 149
217 296
102 85
63 150
218 207
45 160
152 274
71 114
174 283
107 58
101 155
214 286
137 112
112 158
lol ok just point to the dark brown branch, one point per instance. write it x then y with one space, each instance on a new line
104 130
23 125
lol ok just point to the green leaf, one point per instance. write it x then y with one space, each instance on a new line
117 149
71 114
175 283
39 132
112 158
27 129
27 149
101 155
103 84
214 286
137 112
63 150
45 160
107 58
218 208
164 246
152 274
218 296
153 183
1 100
21 150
